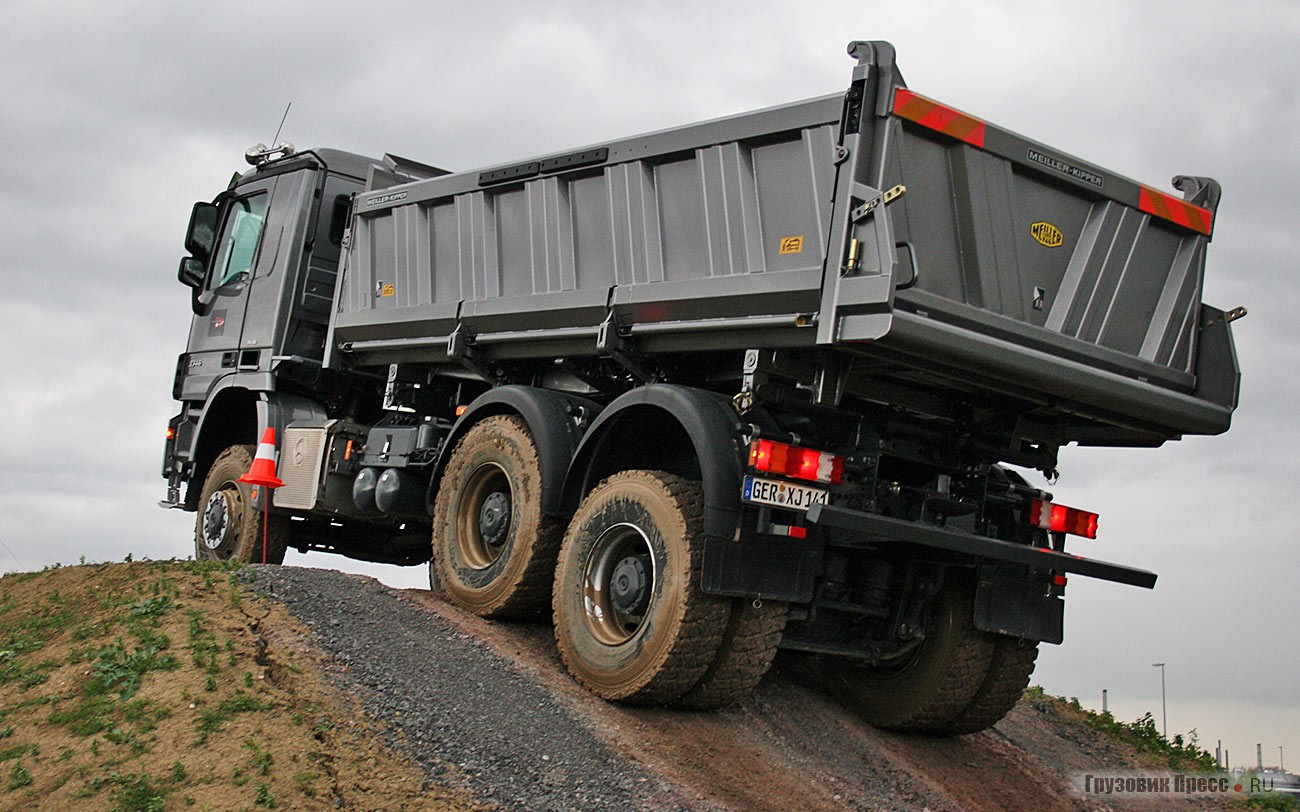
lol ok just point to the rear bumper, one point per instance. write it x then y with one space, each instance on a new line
884 530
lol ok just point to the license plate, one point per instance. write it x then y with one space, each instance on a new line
782 494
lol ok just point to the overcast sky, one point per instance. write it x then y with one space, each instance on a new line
117 116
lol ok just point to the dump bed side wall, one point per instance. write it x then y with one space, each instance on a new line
1005 265
724 221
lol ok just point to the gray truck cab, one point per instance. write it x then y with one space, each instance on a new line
263 260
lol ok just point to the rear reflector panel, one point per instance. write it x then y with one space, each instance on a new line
939 117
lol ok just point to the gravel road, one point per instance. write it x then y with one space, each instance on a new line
461 707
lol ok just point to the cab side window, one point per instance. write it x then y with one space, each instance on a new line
237 250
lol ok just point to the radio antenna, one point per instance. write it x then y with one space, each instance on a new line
276 140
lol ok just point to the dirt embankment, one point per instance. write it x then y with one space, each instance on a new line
494 699
301 689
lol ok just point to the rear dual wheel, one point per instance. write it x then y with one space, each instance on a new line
745 654
959 680
1008 676
631 621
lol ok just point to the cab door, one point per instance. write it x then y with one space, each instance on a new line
221 304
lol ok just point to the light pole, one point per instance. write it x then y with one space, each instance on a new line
1280 767
1164 713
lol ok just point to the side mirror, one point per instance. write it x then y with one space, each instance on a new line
201 235
190 273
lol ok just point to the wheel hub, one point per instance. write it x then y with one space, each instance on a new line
619 583
494 519
216 520
627 587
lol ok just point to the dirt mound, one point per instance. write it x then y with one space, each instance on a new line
179 685
495 699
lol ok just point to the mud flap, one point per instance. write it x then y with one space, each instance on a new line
770 568
1018 608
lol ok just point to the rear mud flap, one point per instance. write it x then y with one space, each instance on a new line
768 568
1017 608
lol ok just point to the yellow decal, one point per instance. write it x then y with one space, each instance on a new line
1047 234
388 290
791 245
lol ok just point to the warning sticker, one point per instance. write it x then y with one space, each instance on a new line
388 290
791 245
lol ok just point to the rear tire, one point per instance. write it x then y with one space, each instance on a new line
631 621
748 646
1013 662
930 691
228 527
493 548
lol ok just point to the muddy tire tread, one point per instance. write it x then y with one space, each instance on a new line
929 695
527 592
1012 663
748 647
704 617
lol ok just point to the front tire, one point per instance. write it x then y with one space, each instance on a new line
631 621
493 548
228 527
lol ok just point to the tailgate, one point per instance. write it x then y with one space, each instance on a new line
981 255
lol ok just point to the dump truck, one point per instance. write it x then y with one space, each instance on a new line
770 381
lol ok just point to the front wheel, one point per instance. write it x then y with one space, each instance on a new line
631 621
228 527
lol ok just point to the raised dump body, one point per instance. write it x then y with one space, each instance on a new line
935 249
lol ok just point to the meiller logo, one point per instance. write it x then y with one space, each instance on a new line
377 201
1047 234
1067 169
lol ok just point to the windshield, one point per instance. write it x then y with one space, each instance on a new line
239 241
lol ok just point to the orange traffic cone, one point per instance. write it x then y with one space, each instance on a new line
262 471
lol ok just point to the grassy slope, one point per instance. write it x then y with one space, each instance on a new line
150 686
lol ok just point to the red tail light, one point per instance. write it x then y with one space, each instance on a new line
1062 519
808 464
